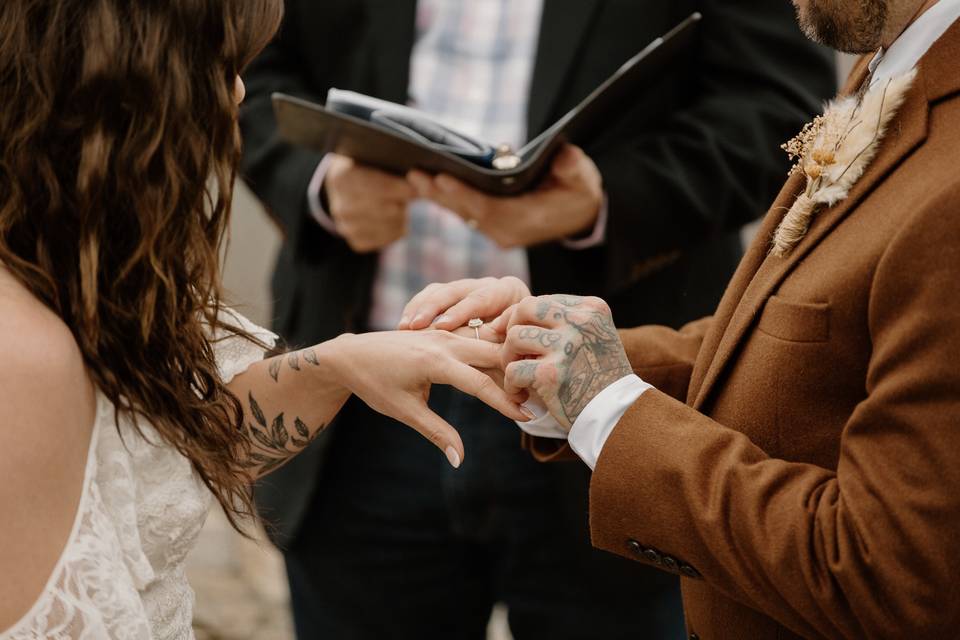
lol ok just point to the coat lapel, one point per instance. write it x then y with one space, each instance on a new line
749 265
754 259
564 25
905 134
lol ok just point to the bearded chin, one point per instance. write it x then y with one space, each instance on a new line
858 30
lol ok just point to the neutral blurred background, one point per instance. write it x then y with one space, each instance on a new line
240 583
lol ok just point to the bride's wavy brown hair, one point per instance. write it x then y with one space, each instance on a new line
118 150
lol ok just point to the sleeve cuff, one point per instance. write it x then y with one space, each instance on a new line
597 420
599 234
544 426
314 200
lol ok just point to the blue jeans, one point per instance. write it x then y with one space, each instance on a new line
399 545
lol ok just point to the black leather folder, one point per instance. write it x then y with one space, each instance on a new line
327 130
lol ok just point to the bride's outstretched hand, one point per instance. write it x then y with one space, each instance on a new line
453 305
393 372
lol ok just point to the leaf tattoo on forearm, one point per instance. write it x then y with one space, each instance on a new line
271 440
292 360
274 369
304 432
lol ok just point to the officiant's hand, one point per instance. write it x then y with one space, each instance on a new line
564 348
368 206
566 204
393 372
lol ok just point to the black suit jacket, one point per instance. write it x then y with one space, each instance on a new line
684 170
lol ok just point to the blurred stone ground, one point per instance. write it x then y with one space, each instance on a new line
240 584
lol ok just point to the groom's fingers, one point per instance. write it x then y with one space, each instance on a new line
542 312
523 342
502 323
520 376
482 386
436 430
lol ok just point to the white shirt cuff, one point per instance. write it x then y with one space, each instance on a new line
313 196
599 234
544 426
597 420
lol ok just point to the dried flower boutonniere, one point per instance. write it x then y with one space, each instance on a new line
834 151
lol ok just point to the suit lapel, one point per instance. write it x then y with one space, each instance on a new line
563 27
749 265
906 133
393 24
755 257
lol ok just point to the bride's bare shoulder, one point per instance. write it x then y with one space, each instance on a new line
47 410
37 351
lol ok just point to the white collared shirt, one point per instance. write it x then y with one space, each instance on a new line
598 419
906 51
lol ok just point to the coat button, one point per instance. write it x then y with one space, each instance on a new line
670 564
694 636
690 572
635 547
652 556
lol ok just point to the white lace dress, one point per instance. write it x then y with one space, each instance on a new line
121 574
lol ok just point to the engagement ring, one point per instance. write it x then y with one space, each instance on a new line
475 324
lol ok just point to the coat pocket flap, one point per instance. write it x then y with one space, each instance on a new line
796 321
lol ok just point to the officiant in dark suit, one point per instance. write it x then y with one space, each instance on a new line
382 538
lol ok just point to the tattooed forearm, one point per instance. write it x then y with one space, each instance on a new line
272 442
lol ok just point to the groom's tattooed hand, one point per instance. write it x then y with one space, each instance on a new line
577 349
545 338
592 363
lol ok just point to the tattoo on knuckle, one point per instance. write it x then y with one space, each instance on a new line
543 309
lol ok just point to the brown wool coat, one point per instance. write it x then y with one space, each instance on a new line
809 485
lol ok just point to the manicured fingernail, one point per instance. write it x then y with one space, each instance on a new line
404 321
442 319
530 414
417 318
453 457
